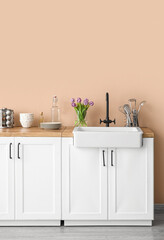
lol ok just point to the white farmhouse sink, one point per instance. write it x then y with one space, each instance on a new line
115 137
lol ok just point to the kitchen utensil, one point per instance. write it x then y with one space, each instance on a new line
135 118
140 105
6 118
127 110
131 101
121 109
50 125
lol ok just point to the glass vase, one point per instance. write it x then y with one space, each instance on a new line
81 119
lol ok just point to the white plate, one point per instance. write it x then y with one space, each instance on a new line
50 125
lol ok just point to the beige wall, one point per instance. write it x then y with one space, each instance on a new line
85 48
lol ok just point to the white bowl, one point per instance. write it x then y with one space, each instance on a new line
26 118
30 120
26 124
26 115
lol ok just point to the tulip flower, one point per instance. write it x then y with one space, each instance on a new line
72 100
78 100
91 103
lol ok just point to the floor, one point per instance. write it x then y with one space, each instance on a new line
88 233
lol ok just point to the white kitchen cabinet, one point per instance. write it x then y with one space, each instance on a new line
6 178
130 182
84 182
37 178
119 193
100 186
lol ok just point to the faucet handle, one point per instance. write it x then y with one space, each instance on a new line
114 121
102 121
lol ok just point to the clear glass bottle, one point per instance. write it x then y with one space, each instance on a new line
55 111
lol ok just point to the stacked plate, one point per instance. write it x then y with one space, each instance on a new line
50 125
26 119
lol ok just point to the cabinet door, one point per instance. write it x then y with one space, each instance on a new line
131 182
38 178
84 189
6 178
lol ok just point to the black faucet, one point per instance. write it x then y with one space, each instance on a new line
107 121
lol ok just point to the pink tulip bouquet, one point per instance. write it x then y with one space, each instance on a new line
81 110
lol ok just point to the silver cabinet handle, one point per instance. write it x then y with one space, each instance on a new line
18 151
10 145
103 157
112 158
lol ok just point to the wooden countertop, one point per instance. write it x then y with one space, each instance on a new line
147 132
30 132
63 132
68 132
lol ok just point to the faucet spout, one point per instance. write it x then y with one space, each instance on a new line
107 121
107 109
